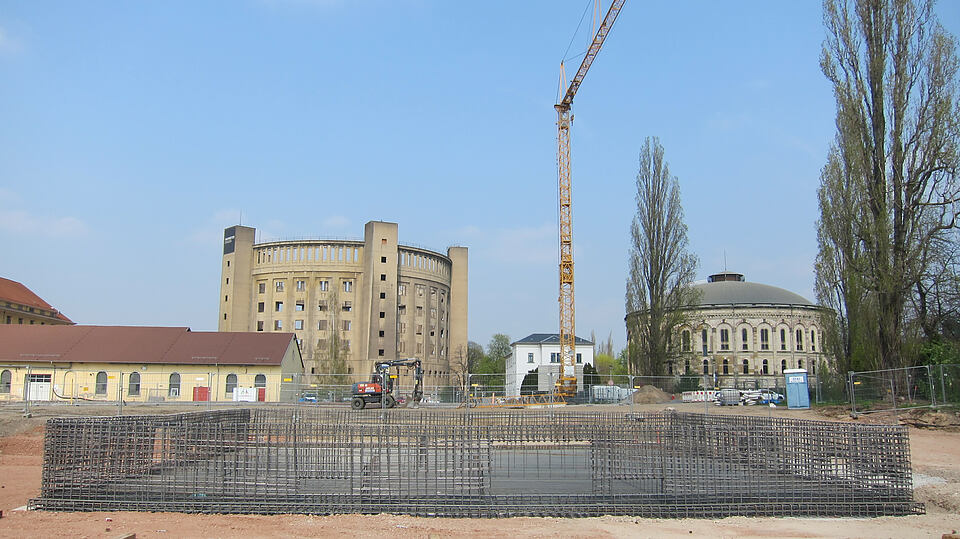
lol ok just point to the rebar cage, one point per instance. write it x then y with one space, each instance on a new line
475 464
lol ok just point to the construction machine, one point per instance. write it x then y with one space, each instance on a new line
380 388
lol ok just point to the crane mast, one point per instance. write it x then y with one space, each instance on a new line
567 384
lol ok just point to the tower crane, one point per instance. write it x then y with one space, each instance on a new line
567 384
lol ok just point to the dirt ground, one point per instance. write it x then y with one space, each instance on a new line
935 454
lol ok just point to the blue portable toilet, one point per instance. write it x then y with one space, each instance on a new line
798 395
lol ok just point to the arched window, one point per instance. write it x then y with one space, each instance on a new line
746 367
686 367
783 339
799 339
726 367
685 340
813 340
101 387
5 378
766 367
260 380
174 385
231 383
133 389
703 340
744 342
706 366
783 365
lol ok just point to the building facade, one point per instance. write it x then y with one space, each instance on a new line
541 352
146 364
19 305
742 329
350 303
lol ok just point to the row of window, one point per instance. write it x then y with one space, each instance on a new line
685 340
20 321
727 367
554 357
301 285
133 383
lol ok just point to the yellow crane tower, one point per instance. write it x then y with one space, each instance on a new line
567 384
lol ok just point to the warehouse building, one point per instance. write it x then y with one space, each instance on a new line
350 303
146 364
20 306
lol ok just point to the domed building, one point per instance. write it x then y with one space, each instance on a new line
740 329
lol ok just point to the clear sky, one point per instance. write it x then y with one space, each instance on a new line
132 133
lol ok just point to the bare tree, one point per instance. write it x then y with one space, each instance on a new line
331 353
661 267
893 70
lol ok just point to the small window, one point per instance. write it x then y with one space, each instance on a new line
298 324
383 295
224 316
301 286
726 366
277 325
347 307
783 365
766 367
231 383
783 340
401 289
261 288
383 276
279 306
346 325
686 367
278 285
5 380
813 340
799 339
764 339
133 387
380 333
298 306
799 363
348 286
226 298
579 359
383 260
322 306
101 387
724 339
685 340
322 325
743 338
703 340
260 380
380 352
706 366
529 357
383 314
554 357
260 307
324 286
259 325
746 367
173 389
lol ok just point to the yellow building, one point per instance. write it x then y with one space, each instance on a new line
146 364
20 306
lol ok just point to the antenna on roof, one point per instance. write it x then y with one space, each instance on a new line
241 217
724 260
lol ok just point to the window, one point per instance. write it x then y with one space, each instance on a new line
529 358
686 367
703 340
401 309
383 260
324 286
799 363
101 387
277 325
383 314
764 339
383 295
226 299
383 276
743 339
746 367
670 368
726 366
402 289
278 285
346 325
419 311
322 325
298 306
799 339
579 359
260 380
783 339
706 366
724 339
348 286
259 325
231 383
554 357
420 290
301 286
322 306
279 306
685 340
5 379
419 329
224 316
260 307
380 352
228 280
173 386
766 367
261 288
813 340
133 387
298 324
783 365
347 307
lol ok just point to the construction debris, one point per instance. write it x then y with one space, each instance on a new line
475 464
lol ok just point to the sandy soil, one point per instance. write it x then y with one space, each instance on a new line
935 455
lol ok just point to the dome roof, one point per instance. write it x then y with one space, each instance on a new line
730 288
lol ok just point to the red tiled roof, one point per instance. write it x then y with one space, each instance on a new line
134 344
17 293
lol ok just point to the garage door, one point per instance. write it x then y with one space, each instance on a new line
39 387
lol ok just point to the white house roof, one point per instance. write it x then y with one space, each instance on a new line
547 338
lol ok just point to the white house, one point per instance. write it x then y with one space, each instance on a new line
541 351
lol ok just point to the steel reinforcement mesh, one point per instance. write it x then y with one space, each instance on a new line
475 464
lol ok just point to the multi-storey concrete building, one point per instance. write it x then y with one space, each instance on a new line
350 303
745 329
19 305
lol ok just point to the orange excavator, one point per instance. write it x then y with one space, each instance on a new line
380 389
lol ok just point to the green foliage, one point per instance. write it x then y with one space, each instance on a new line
939 352
590 376
499 347
474 356
688 383
604 364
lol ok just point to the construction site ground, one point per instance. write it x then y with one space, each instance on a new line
935 452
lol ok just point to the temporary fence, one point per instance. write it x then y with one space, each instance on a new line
311 460
925 386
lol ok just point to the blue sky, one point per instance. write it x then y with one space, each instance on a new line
132 133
